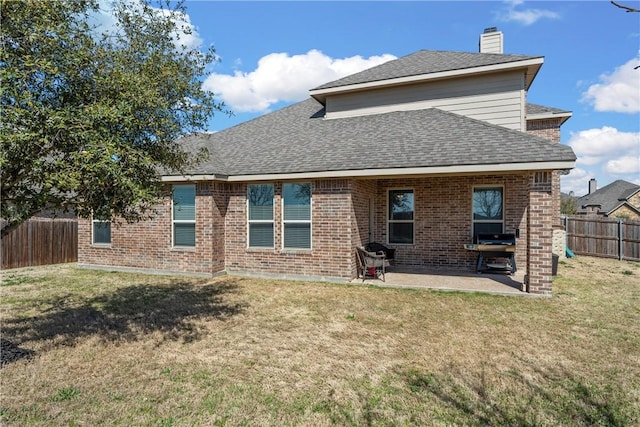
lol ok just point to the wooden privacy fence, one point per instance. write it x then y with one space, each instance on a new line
41 241
604 237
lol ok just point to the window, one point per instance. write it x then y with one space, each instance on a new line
260 215
184 215
400 220
488 215
296 216
101 232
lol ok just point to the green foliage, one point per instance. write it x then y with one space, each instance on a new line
568 205
90 120
64 394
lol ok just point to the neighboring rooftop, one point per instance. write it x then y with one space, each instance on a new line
609 197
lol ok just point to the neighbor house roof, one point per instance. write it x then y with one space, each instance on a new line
297 141
426 64
610 197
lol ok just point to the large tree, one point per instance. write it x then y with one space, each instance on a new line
90 120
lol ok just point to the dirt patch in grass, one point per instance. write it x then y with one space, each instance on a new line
126 349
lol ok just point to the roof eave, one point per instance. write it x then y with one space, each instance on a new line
404 172
532 65
563 116
194 178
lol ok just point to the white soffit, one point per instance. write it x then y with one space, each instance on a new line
390 172
564 116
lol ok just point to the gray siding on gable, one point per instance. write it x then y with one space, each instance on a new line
495 98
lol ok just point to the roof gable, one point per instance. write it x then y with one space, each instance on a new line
428 63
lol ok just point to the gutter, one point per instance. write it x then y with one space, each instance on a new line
380 173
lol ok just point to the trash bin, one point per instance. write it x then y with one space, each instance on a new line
554 264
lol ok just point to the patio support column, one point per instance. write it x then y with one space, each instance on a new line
540 233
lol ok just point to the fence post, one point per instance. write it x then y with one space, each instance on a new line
566 233
620 243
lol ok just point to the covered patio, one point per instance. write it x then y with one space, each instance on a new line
450 280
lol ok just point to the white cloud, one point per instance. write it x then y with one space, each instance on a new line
577 181
624 165
594 146
604 153
617 92
281 77
524 16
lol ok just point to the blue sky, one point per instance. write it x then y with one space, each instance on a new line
272 53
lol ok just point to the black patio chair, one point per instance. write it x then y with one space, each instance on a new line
376 247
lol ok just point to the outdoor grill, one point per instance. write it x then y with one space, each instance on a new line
499 248
496 239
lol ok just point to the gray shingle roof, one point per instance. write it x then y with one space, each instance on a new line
610 196
425 62
535 109
298 139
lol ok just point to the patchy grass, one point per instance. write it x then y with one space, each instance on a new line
85 347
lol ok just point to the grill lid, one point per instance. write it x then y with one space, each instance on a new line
496 239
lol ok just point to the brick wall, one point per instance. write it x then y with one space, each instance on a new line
340 222
550 129
364 194
546 128
540 233
443 218
147 244
331 255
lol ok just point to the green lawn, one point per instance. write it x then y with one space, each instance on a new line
92 348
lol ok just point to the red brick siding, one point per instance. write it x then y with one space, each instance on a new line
540 238
550 129
443 217
332 248
547 128
340 221
147 244
364 192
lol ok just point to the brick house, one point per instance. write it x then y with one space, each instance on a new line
619 199
404 153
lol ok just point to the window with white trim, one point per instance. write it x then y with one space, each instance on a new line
260 215
184 215
101 232
296 215
400 217
488 212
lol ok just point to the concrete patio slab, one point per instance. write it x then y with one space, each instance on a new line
450 280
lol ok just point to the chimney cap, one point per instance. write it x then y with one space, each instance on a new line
490 30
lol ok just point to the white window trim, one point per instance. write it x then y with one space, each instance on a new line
297 221
405 221
262 221
486 221
93 237
184 221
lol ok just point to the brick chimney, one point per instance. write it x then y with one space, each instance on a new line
491 41
593 185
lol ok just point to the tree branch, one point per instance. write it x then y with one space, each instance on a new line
627 8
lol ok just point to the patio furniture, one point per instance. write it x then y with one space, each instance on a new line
377 247
371 264
497 247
